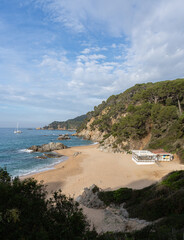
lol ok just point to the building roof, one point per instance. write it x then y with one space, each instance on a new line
160 151
143 153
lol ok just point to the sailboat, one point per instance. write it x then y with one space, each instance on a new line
17 130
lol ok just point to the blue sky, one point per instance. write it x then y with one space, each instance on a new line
60 58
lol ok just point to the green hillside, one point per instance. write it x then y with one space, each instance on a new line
154 109
69 124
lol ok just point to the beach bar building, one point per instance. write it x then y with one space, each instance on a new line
162 155
145 156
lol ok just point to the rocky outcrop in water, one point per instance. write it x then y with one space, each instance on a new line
63 137
52 155
49 155
52 146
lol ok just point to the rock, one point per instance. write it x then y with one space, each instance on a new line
34 148
52 155
63 137
76 154
114 218
89 198
48 147
122 211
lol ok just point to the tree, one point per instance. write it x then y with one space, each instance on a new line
26 213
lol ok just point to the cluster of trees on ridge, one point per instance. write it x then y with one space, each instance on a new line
155 108
27 213
69 124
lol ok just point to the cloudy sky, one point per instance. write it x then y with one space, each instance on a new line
60 58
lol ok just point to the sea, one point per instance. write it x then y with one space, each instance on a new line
19 161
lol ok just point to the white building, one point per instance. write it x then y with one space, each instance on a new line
149 157
143 156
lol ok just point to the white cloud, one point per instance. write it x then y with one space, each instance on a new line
86 51
139 41
154 30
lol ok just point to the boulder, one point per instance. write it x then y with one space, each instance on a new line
48 147
89 198
63 137
52 155
34 148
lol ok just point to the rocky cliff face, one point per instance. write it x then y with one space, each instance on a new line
94 135
144 116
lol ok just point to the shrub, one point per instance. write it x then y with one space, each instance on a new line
118 196
175 180
26 213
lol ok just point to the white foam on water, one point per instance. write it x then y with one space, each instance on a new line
26 150
40 169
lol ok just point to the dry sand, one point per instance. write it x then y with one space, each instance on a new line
106 170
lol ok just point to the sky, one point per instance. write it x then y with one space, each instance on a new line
60 58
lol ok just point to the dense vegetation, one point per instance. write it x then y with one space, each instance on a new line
152 108
69 124
26 213
163 202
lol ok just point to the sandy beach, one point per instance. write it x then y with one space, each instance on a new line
106 170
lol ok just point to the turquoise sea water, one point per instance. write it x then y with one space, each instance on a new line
18 161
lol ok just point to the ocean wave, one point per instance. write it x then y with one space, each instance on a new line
30 172
26 150
95 143
25 172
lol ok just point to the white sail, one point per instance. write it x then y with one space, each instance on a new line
17 130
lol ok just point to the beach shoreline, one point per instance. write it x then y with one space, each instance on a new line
87 165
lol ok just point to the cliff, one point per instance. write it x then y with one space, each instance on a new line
144 116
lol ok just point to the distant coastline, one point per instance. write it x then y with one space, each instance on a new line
62 129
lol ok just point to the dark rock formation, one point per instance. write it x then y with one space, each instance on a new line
63 137
52 155
48 147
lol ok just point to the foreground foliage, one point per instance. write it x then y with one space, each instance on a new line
25 213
